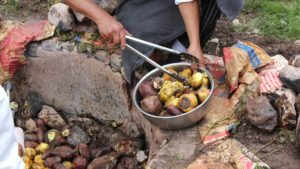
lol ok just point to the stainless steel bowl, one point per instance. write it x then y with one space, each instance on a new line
179 121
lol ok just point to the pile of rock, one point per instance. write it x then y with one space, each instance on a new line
78 141
281 107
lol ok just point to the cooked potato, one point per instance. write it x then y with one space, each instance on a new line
42 147
187 73
170 89
146 89
173 110
30 152
187 102
151 105
203 93
168 77
172 101
196 79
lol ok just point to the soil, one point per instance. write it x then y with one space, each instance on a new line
278 155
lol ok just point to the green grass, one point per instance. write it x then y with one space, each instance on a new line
280 18
10 6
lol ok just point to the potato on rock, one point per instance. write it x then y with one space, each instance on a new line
170 89
146 89
187 73
196 79
187 102
151 105
168 77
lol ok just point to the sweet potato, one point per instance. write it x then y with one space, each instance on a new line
52 162
54 138
41 124
79 163
66 131
146 89
65 152
173 110
84 151
40 135
64 165
151 105
30 144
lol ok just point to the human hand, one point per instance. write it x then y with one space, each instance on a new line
112 31
197 52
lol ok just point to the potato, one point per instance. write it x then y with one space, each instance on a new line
205 82
27 161
170 89
187 73
67 164
84 151
168 77
30 152
41 124
203 93
173 110
79 163
52 162
54 138
151 105
38 159
65 152
66 131
42 147
187 91
172 101
196 79
164 113
37 166
157 82
40 135
146 89
30 144
187 102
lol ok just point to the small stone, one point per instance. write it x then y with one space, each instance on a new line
298 103
77 135
79 16
30 126
68 47
215 40
295 61
261 114
287 112
51 45
125 148
235 22
51 117
140 156
100 55
86 26
116 62
60 16
108 161
290 77
132 130
88 125
256 31
128 163
297 42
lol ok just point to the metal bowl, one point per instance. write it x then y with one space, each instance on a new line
179 121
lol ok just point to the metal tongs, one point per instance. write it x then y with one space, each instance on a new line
175 75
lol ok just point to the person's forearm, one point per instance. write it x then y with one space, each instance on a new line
88 8
190 15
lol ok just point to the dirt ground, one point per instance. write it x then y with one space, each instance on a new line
279 154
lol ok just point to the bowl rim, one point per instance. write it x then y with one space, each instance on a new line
166 66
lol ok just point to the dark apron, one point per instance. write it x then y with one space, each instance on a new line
160 21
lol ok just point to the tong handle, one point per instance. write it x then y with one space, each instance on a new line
151 44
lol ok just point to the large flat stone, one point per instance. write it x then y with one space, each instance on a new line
75 85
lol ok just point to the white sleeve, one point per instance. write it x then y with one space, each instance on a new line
177 2
9 158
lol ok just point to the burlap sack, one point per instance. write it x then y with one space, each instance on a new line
241 60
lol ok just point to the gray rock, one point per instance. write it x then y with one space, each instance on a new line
79 16
51 45
34 102
116 62
132 130
31 49
30 126
108 161
77 135
290 77
261 114
290 94
108 5
297 42
100 55
287 112
295 61
68 47
140 156
51 117
236 22
76 85
88 125
60 16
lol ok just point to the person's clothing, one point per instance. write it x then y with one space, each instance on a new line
160 21
9 158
